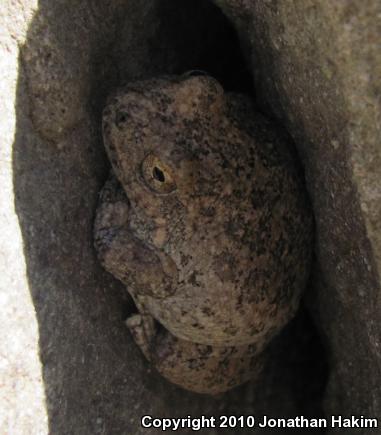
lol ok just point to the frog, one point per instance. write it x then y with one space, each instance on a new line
206 221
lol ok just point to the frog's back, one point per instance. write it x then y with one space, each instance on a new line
243 270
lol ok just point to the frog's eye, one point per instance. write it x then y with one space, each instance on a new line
157 175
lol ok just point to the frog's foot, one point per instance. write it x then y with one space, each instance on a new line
142 328
204 368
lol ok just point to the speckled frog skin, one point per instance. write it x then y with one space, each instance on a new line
205 220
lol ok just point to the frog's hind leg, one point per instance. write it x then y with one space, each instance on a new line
203 368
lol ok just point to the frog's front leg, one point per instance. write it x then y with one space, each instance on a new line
142 329
138 266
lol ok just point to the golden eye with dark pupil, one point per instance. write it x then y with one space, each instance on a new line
157 175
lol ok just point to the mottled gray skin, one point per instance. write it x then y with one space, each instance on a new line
206 223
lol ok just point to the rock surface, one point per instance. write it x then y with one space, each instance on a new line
317 65
67 364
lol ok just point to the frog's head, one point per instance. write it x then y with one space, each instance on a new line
157 133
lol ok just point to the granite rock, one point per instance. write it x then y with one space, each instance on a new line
67 363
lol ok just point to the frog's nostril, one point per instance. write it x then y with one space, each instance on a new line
158 174
121 118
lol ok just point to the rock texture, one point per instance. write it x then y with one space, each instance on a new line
317 66
66 362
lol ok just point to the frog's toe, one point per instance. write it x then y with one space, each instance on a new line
142 329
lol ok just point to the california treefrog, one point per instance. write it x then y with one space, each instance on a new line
205 220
